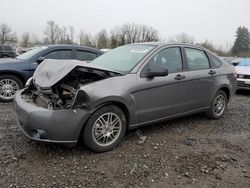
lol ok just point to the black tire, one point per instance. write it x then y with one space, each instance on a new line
15 79
5 56
88 130
212 112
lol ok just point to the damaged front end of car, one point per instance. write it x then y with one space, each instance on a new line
56 84
53 107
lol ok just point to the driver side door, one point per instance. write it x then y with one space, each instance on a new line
161 97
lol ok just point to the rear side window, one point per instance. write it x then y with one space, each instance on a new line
59 54
215 62
169 58
196 59
85 56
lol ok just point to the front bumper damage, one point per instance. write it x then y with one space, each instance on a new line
53 107
41 124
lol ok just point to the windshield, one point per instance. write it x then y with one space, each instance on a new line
31 53
245 62
124 58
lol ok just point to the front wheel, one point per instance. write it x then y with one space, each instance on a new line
218 106
9 84
105 129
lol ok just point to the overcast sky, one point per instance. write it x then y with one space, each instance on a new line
215 20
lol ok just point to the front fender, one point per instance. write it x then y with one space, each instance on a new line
127 105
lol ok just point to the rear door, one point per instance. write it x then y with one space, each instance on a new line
200 78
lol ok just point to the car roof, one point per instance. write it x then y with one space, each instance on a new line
170 44
72 46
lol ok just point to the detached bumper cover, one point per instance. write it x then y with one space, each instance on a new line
58 126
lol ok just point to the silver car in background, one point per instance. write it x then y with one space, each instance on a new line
128 87
243 74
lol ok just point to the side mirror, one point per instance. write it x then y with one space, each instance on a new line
155 73
40 60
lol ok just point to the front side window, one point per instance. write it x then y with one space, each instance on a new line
59 54
169 58
123 59
196 59
85 56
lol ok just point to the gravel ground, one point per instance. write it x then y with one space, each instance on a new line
187 152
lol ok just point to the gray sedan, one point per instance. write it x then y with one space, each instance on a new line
128 87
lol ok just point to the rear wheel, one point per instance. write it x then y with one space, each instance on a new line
9 84
218 106
105 129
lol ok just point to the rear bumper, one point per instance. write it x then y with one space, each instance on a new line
57 126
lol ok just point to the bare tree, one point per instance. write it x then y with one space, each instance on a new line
213 48
25 40
102 40
6 34
113 39
86 39
131 33
71 34
81 37
149 34
182 38
62 35
34 40
52 32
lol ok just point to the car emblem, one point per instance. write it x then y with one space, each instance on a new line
241 75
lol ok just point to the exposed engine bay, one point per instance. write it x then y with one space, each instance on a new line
63 94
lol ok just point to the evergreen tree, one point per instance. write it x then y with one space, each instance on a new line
242 41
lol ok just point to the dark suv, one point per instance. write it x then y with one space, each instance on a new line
14 72
7 51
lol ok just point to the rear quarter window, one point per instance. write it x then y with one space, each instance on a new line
215 62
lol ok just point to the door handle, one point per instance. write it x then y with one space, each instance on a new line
180 77
212 72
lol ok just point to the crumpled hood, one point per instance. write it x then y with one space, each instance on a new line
243 70
51 71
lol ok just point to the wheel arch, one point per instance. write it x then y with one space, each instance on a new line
226 90
117 103
5 54
13 73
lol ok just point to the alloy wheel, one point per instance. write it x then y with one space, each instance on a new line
106 129
8 88
219 104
